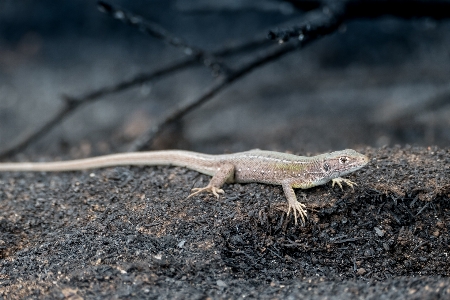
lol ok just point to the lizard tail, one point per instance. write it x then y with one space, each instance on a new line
192 160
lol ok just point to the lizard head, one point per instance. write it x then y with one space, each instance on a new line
339 163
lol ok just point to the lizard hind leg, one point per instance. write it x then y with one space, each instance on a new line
223 173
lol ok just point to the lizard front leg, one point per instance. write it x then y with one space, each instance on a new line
224 173
294 205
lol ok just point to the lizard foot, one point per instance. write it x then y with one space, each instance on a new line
341 180
299 208
209 189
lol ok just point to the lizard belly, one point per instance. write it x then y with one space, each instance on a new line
258 173
270 172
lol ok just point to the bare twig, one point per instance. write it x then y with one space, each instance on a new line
335 12
166 70
145 26
74 102
159 32
320 24
63 113
148 137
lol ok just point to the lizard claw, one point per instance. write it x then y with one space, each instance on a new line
341 180
209 189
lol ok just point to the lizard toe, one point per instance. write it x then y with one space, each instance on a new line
298 209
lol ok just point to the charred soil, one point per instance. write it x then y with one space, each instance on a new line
131 232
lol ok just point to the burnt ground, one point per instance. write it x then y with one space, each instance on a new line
131 232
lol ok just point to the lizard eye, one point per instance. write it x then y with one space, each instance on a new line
326 167
343 159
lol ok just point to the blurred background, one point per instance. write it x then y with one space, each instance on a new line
375 82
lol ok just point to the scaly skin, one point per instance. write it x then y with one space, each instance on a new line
288 170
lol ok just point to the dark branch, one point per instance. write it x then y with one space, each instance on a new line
221 83
159 32
77 101
136 80
167 70
325 21
320 24
147 27
61 115
73 103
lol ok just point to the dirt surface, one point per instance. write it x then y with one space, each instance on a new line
131 233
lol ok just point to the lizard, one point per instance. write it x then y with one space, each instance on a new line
268 167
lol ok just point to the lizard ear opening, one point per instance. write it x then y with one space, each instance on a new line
326 167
